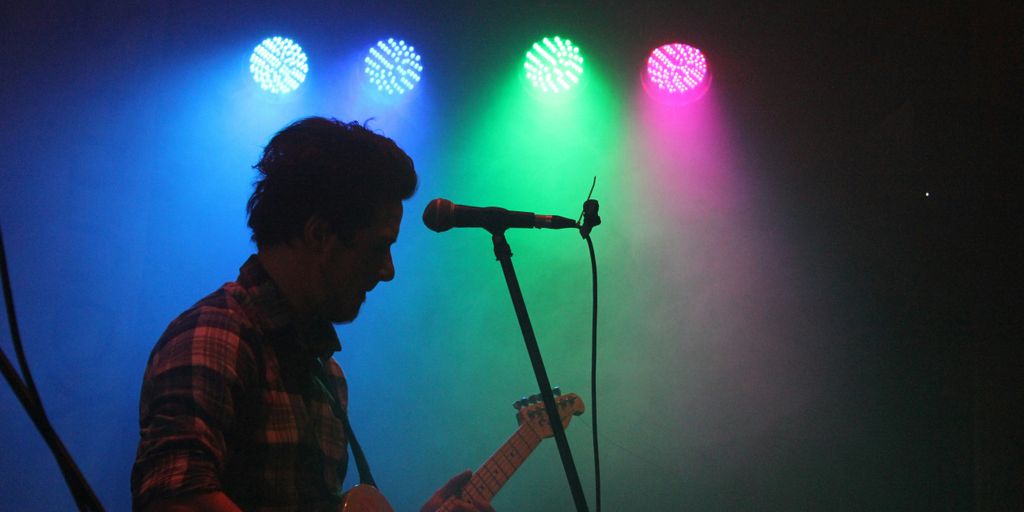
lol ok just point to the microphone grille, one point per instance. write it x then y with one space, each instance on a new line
439 215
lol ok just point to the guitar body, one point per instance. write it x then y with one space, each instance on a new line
364 498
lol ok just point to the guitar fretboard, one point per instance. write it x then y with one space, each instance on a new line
492 475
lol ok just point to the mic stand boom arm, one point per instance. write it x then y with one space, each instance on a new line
504 254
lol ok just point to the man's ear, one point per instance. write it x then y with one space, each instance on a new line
315 234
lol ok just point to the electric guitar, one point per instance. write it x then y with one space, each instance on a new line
490 477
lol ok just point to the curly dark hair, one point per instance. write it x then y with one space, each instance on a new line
337 171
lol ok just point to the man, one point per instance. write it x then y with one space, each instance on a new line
242 406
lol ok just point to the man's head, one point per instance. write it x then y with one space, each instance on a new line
330 196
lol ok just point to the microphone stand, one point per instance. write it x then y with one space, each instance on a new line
504 254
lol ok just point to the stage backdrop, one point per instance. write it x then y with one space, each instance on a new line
746 360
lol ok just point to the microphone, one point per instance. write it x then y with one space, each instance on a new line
442 215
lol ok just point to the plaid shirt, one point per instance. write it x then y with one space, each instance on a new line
235 399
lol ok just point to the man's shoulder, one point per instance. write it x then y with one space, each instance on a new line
219 319
222 307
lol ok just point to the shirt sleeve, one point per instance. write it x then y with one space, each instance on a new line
195 376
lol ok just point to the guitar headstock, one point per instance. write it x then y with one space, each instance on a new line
532 412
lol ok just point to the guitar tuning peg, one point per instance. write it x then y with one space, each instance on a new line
518 404
557 391
525 400
534 399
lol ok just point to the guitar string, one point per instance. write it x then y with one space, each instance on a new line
492 475
523 445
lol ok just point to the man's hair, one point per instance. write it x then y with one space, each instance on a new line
338 171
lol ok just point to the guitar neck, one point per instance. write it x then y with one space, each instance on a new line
492 475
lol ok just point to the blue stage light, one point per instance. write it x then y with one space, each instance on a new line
279 65
393 66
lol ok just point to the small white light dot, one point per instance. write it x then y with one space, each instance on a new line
927 194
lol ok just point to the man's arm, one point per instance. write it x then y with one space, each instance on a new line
206 502
187 404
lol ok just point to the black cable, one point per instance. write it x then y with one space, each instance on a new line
593 377
25 390
12 321
588 220
82 495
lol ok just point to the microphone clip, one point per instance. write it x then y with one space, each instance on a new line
590 217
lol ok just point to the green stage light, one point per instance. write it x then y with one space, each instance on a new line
553 65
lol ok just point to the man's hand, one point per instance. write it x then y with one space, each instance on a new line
452 489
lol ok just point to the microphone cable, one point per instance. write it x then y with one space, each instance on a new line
593 376
28 395
590 219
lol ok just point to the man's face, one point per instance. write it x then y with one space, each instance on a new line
349 270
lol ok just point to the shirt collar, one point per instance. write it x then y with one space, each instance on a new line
275 315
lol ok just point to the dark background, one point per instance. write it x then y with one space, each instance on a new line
890 136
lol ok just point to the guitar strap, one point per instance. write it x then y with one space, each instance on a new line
365 476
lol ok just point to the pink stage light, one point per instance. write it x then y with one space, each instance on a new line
677 73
